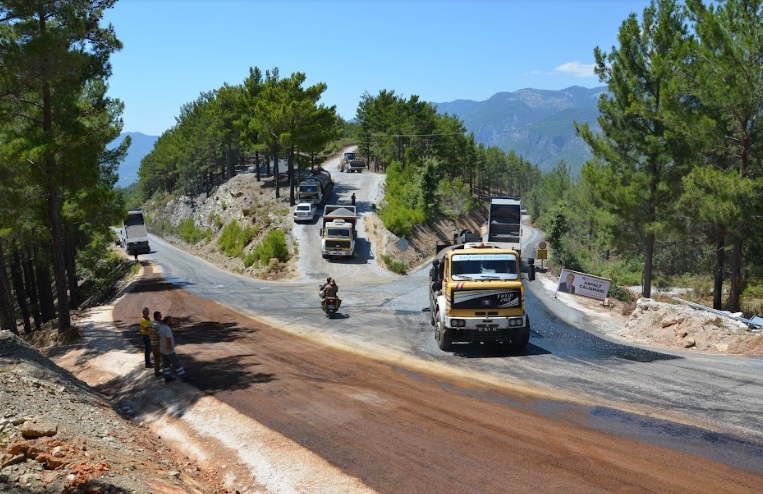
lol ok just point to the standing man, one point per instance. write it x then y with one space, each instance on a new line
145 322
169 357
353 198
153 332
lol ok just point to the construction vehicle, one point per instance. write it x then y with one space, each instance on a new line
315 187
350 162
133 234
476 294
338 232
504 227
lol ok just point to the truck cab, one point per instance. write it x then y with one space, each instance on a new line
338 238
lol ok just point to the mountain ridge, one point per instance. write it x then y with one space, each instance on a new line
536 124
141 145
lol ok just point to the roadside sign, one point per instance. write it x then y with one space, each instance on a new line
542 245
542 254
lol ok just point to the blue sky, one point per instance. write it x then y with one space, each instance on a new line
439 50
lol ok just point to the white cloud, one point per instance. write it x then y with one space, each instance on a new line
576 69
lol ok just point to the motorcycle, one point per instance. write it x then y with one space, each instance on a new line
329 304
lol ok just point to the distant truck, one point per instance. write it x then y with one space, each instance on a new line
352 163
504 227
315 187
338 232
134 237
476 294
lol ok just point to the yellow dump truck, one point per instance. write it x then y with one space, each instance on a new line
477 295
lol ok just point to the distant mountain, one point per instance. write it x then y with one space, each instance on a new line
536 124
141 146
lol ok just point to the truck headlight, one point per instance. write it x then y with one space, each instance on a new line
457 323
515 322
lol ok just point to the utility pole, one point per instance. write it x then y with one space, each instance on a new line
275 161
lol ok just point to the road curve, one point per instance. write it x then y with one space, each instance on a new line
393 398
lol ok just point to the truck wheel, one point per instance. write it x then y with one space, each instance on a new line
431 315
524 339
444 336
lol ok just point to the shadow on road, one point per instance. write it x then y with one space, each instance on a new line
154 285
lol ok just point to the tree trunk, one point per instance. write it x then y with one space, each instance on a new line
720 255
54 216
18 287
231 162
735 293
648 265
290 167
275 167
31 289
71 271
257 164
7 316
47 306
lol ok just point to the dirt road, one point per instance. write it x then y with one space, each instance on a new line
395 429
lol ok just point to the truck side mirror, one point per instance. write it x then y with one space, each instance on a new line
436 287
531 270
321 232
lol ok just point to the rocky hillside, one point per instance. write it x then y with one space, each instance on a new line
242 199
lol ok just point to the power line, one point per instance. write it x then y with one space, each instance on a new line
413 135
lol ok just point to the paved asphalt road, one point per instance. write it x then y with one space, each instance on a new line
700 404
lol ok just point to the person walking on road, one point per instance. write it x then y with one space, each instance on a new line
353 198
153 332
169 357
145 322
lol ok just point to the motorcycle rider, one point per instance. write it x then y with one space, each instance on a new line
329 290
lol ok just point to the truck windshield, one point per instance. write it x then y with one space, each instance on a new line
308 188
338 232
484 266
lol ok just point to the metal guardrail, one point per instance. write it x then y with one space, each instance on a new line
755 322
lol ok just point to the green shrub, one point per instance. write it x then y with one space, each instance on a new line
234 238
394 265
188 231
215 220
163 227
273 247
100 268
400 220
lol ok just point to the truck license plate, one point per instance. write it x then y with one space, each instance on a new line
486 327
